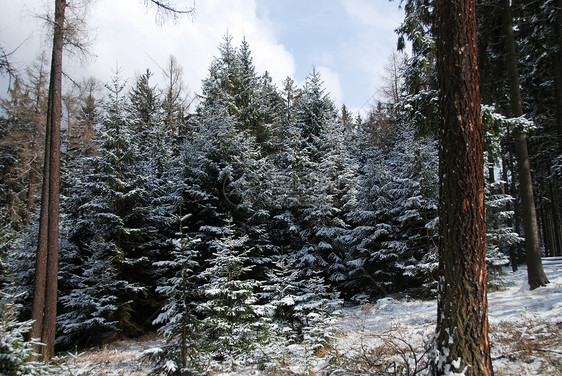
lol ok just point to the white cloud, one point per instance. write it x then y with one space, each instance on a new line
366 12
126 34
375 42
332 84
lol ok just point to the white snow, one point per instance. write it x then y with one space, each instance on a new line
525 331
525 326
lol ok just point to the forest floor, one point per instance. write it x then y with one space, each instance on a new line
392 336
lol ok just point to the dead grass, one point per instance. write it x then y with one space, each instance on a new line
393 352
517 346
118 358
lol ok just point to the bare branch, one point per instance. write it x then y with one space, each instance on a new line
6 66
165 6
164 10
77 38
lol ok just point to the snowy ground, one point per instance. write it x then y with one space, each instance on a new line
392 336
525 328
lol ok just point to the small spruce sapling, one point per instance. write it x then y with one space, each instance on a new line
180 325
232 317
15 350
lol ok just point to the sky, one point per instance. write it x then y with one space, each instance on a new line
348 41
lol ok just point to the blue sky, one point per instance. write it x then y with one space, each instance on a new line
348 41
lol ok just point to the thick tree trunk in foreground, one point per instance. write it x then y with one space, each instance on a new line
44 308
535 272
461 342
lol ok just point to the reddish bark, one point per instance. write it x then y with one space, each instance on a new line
461 343
44 308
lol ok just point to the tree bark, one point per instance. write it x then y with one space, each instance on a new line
558 74
44 308
535 271
461 341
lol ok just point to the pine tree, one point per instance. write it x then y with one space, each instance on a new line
231 314
15 350
536 275
105 230
44 309
180 325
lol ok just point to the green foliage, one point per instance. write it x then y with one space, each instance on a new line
232 317
15 351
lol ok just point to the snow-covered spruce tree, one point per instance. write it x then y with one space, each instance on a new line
415 164
20 254
232 146
286 187
15 350
394 246
149 130
92 295
335 191
372 173
500 236
303 307
232 319
323 179
304 310
180 326
420 93
250 100
153 140
102 210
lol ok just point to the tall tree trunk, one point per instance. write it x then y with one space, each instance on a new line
558 74
508 207
461 341
29 195
555 229
44 308
535 272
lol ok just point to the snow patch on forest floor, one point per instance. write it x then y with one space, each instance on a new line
119 358
525 332
525 328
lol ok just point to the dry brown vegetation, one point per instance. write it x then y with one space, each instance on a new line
527 347
118 358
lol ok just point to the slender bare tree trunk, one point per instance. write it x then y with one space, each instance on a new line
44 308
461 339
535 272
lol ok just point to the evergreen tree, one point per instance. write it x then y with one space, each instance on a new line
499 214
44 310
104 216
231 315
421 92
303 307
313 208
180 325
16 351
395 220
